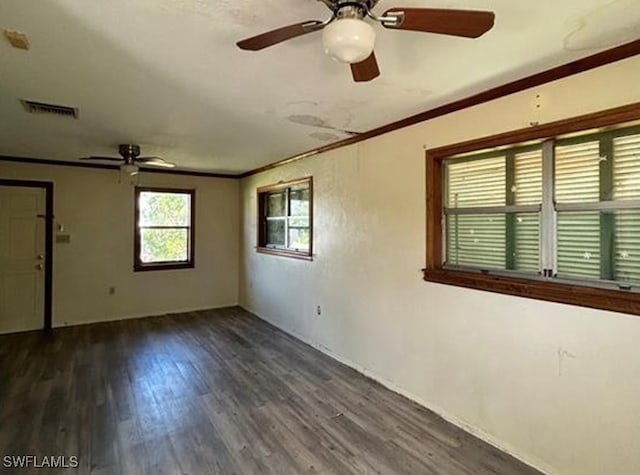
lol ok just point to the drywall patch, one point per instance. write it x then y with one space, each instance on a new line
302 103
615 23
17 39
306 119
315 121
562 356
324 136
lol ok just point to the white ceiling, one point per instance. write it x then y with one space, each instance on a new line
166 74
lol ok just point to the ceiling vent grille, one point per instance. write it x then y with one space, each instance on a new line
42 108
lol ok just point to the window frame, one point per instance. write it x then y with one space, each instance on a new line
261 194
535 287
138 265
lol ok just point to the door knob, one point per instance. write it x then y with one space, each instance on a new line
40 257
40 266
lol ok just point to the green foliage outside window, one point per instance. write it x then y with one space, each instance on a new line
164 226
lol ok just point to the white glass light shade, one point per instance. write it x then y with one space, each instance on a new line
129 169
348 40
129 174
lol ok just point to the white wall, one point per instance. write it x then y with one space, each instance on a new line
557 385
97 211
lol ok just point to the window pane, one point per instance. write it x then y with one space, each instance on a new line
528 177
579 244
164 245
276 204
476 240
299 221
527 242
627 249
299 238
578 172
299 201
275 232
165 209
476 182
626 167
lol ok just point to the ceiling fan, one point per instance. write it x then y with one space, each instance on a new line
130 158
349 39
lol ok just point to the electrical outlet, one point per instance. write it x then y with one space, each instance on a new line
318 310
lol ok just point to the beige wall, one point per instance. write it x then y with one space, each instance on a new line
97 211
557 385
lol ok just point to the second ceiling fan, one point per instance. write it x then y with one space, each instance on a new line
349 39
130 159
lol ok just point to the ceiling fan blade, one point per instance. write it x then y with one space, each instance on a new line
111 159
155 161
366 70
273 37
467 23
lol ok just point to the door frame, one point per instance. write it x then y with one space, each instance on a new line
48 241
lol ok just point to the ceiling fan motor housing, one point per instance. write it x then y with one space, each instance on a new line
352 9
129 151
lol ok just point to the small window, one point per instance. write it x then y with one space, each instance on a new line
550 212
285 219
164 237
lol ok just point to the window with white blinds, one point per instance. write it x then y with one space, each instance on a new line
591 188
493 210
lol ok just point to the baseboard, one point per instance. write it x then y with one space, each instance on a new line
135 316
456 421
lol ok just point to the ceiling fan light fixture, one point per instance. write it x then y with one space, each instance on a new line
348 40
129 169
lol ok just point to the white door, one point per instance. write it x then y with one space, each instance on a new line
22 232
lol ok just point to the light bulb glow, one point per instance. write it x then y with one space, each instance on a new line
348 40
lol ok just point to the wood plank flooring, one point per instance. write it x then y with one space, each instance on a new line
218 392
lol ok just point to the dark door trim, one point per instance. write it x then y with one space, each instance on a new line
48 242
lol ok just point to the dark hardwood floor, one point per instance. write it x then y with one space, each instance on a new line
214 392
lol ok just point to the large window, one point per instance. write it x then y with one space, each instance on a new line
555 218
164 237
285 215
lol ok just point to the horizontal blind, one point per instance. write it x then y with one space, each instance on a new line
527 190
579 244
527 242
627 250
626 178
528 177
578 172
473 183
626 167
476 240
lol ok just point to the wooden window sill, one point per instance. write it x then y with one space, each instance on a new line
285 253
163 266
602 299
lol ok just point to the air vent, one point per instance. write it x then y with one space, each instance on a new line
43 108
